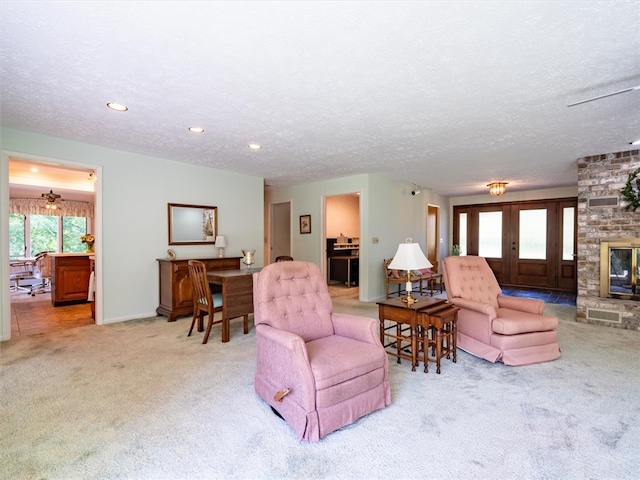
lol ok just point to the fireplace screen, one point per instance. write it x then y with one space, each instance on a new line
622 276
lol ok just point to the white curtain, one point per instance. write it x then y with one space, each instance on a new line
36 206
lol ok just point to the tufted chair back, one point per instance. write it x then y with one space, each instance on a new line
471 278
293 296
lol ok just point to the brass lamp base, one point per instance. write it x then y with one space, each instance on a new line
408 299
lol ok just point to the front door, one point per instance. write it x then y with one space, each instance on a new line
527 244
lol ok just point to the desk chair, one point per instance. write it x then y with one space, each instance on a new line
41 271
20 270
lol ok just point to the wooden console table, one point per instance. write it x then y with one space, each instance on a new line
176 295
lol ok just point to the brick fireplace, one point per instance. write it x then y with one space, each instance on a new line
603 220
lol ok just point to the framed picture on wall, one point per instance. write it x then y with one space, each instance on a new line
305 223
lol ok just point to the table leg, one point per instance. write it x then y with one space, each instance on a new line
225 329
438 348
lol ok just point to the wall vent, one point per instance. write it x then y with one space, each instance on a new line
603 202
604 315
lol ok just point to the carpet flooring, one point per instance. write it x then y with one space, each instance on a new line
141 400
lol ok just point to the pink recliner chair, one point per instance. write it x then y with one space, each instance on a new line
319 370
494 326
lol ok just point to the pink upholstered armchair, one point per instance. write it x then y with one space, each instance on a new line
494 326
320 370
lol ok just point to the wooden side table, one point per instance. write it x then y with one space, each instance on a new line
405 319
442 320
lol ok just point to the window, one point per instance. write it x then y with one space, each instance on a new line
533 234
490 234
31 234
463 233
568 235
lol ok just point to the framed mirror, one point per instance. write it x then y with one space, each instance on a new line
192 224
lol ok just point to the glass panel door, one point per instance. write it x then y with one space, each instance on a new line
490 234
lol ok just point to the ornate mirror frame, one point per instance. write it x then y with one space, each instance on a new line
192 224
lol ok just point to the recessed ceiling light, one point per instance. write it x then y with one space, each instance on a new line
34 170
637 142
196 129
254 146
118 107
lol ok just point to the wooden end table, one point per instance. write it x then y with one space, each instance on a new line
395 310
442 318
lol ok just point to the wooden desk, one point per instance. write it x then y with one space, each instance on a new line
176 293
395 310
237 294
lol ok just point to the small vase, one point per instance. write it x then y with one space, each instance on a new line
89 247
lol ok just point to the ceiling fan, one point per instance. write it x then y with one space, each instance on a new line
51 199
630 89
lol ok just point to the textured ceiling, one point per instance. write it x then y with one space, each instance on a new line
445 95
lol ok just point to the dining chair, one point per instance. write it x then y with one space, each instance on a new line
284 258
204 302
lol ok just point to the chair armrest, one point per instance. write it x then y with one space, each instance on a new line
363 329
529 305
484 308
282 358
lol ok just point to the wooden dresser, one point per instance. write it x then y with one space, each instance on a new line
69 277
176 298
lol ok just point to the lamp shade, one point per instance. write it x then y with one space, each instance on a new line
409 256
220 241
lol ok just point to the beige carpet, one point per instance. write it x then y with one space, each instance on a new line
141 400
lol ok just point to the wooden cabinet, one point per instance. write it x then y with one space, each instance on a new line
176 298
69 278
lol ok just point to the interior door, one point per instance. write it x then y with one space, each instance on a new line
433 233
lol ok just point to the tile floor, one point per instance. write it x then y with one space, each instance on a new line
34 315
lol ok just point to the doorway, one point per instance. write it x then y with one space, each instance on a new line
527 244
76 184
280 231
342 241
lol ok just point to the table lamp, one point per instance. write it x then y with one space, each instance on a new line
220 243
409 257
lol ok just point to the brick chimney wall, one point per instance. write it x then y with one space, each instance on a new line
604 176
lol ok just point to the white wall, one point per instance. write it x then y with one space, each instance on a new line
388 212
132 232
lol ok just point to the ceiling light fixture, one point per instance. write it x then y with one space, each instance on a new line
497 188
51 200
637 142
118 107
196 129
254 146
